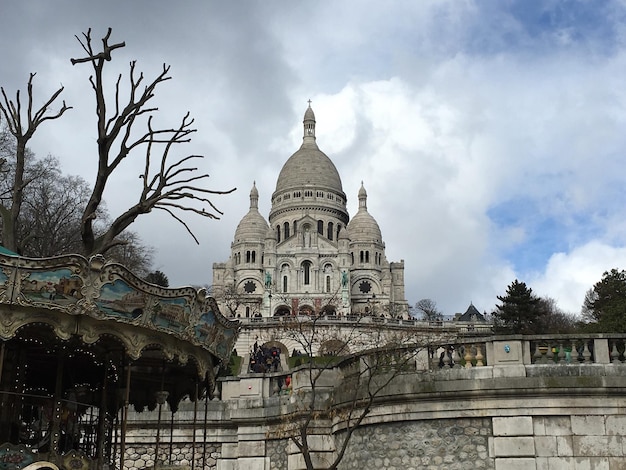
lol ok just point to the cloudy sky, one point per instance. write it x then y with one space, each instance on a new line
490 135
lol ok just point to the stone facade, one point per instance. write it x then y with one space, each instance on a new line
309 256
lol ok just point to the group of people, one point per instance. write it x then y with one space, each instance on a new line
264 359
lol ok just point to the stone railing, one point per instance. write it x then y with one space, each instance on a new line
509 355
458 326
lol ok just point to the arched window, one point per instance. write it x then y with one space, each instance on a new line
327 283
247 312
286 229
367 256
361 256
285 284
352 258
278 233
254 256
295 227
248 256
329 233
320 227
306 268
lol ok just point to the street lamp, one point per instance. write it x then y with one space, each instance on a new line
270 297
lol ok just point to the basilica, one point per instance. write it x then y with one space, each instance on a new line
309 257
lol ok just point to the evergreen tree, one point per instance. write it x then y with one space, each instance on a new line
521 311
605 304
159 278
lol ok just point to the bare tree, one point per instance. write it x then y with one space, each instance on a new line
22 128
170 186
361 359
50 216
52 204
232 297
429 310
555 320
130 251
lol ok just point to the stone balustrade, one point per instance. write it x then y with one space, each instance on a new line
457 326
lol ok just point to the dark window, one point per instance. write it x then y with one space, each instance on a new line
306 266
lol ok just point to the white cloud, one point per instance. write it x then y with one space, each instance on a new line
568 276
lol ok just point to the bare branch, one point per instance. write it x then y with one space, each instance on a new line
104 55
166 186
13 115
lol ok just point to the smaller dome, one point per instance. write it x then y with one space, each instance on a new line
363 227
253 226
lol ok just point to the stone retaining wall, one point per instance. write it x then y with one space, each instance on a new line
501 417
181 456
447 444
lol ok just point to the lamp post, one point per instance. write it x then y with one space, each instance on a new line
270 297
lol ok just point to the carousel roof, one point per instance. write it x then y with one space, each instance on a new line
108 328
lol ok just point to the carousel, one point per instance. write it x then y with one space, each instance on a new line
83 341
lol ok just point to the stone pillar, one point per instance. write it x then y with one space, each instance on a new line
322 451
513 444
248 453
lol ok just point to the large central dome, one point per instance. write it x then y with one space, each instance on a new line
309 183
309 167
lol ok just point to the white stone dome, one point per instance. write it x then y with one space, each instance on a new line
253 226
363 227
309 166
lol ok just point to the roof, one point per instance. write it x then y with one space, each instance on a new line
472 315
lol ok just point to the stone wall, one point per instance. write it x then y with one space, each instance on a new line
512 415
560 442
277 453
180 456
447 444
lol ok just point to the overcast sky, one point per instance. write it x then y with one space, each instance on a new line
490 135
